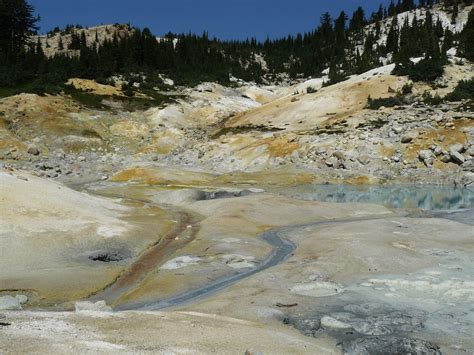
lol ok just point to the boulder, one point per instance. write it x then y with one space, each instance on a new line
438 151
457 157
397 129
426 156
446 158
364 159
470 151
408 137
458 148
321 150
33 150
340 155
332 162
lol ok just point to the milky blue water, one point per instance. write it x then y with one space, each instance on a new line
428 198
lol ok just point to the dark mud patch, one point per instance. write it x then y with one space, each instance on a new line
109 256
368 328
390 345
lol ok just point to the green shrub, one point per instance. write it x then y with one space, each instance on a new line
432 100
127 89
375 104
463 91
334 80
85 98
427 70
407 89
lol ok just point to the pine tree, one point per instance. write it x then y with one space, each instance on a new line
17 23
391 9
340 35
39 47
439 29
455 12
466 40
448 40
393 37
408 5
357 21
83 39
75 43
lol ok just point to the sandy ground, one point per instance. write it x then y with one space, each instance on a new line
50 233
157 333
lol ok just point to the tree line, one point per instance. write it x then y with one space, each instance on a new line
344 45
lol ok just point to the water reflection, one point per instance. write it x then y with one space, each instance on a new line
417 197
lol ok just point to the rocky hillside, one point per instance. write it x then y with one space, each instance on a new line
439 12
61 41
327 132
373 127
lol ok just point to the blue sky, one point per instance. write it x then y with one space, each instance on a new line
226 19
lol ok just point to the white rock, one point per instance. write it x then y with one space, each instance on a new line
458 148
237 261
470 151
317 289
86 306
446 158
407 138
22 299
364 159
330 322
425 155
457 157
180 262
33 150
398 129
241 265
9 303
